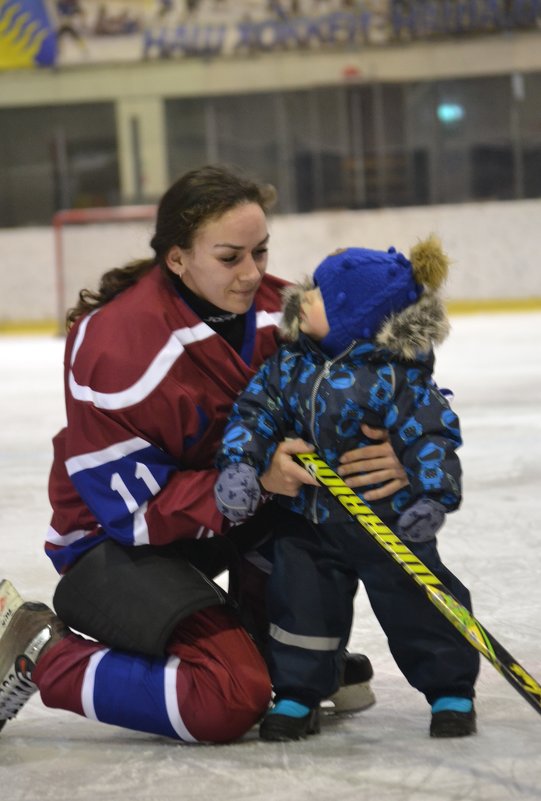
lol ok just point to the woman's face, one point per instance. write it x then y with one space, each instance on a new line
228 258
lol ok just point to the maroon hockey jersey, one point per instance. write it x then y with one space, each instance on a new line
148 390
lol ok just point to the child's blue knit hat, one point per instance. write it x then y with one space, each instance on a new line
360 289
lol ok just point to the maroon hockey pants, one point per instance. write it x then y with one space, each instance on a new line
211 685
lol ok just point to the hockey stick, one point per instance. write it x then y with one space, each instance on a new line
436 592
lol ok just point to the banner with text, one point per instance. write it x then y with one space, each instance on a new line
42 33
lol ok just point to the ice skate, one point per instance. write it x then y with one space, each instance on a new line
355 693
27 629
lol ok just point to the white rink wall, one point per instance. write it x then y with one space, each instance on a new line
494 246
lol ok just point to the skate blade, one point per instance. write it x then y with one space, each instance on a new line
349 700
10 601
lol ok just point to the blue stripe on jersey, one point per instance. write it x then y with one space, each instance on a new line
63 557
129 692
189 442
117 490
248 346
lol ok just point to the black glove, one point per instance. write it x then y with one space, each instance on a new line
422 521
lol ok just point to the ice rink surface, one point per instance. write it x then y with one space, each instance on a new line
493 365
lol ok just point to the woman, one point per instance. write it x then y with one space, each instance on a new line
154 361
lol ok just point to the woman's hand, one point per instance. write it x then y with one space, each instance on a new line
373 464
285 476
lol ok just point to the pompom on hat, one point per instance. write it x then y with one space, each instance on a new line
362 288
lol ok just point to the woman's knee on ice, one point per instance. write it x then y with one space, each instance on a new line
226 702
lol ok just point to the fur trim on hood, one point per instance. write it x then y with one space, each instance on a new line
416 329
291 308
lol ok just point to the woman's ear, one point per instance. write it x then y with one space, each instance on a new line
173 259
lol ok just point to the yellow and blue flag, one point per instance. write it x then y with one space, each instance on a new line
27 35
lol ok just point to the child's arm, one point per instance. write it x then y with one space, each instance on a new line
238 491
259 422
426 435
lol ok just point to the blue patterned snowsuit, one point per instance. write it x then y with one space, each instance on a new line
319 553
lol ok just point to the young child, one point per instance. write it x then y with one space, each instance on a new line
360 349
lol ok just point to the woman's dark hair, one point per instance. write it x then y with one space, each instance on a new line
198 196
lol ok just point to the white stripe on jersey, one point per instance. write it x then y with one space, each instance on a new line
55 538
140 528
265 318
87 690
153 375
158 368
204 533
171 700
110 454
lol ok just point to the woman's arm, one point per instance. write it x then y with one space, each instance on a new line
373 464
360 467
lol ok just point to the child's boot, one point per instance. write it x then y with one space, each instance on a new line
289 720
453 717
